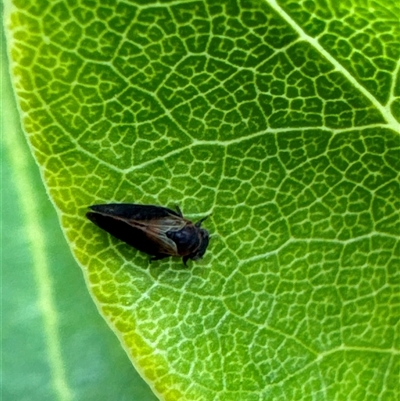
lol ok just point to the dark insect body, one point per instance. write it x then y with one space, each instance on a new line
155 230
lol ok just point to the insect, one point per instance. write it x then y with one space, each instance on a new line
155 230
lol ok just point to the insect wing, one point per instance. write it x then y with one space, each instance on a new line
118 228
156 230
132 211
142 226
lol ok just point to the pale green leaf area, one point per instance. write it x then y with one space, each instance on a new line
54 346
281 118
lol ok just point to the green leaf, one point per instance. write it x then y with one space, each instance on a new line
55 346
280 118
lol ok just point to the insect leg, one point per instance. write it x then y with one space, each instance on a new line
178 209
198 224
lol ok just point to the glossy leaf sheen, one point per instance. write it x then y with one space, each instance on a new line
280 118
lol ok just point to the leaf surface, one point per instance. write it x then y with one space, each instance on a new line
280 118
54 344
